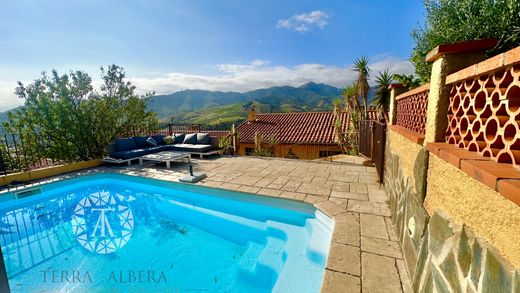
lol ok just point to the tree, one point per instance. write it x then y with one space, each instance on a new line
450 21
363 71
409 81
73 121
382 96
353 108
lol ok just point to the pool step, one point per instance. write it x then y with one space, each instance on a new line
318 245
261 265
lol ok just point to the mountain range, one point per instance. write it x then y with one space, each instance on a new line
201 106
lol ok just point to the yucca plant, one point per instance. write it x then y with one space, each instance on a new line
363 71
382 96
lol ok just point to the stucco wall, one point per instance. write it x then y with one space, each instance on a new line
467 201
413 160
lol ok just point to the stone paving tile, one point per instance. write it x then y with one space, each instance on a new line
367 207
279 182
379 274
340 282
210 183
390 229
346 230
231 186
293 195
344 178
318 189
292 185
376 195
312 199
339 201
381 247
330 208
319 180
249 189
373 226
245 180
264 182
344 258
359 188
403 275
348 195
368 178
339 186
269 191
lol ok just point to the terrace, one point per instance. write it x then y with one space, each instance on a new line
364 252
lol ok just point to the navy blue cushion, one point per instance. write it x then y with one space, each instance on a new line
190 139
140 141
179 137
151 142
159 138
124 144
202 138
129 154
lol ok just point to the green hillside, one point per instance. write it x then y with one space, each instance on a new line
196 106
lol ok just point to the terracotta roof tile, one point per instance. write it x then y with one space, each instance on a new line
307 127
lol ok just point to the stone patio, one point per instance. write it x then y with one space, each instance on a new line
364 256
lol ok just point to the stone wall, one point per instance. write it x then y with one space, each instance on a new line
441 252
452 259
405 171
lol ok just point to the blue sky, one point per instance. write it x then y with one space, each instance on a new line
168 46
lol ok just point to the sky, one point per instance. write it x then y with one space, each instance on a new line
228 45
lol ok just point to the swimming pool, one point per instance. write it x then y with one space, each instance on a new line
114 231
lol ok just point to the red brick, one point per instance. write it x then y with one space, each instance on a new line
436 147
455 156
489 172
510 189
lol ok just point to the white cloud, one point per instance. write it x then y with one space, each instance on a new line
242 77
304 22
255 75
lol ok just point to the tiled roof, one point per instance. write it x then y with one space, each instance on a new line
303 127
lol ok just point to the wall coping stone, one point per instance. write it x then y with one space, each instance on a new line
396 86
461 47
416 90
503 178
416 137
497 62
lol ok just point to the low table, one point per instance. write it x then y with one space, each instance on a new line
166 156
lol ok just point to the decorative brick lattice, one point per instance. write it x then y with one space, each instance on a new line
411 111
484 115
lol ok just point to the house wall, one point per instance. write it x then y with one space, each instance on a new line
457 231
304 152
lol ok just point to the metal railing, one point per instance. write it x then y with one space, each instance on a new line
20 152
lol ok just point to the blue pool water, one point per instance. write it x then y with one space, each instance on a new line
111 231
